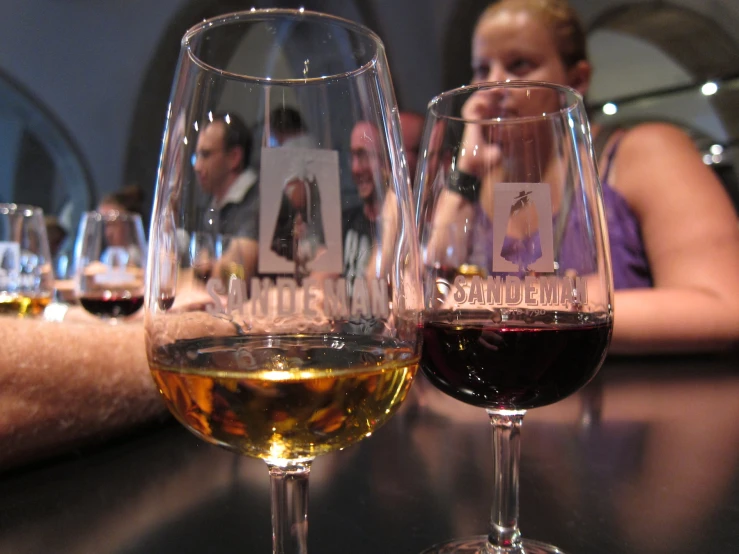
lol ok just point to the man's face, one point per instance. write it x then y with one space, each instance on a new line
117 232
212 163
366 145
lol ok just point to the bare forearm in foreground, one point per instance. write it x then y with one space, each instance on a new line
64 384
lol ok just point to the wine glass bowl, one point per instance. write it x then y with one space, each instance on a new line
26 276
517 276
110 256
280 351
202 255
284 398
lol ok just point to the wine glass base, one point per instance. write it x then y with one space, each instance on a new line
479 545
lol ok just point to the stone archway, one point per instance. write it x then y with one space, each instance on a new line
41 162
704 49
693 40
147 123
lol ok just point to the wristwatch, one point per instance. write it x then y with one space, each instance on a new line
465 184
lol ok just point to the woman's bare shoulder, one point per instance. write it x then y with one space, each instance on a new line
658 162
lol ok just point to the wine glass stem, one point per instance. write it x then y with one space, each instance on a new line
289 499
504 536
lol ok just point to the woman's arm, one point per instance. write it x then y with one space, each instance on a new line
691 237
65 383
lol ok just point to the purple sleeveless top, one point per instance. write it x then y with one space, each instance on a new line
630 267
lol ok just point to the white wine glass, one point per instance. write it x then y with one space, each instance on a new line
26 275
296 344
517 274
109 260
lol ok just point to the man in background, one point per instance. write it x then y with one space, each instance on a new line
222 167
361 223
221 164
288 129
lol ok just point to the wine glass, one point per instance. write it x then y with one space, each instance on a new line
26 276
110 255
297 344
517 275
202 254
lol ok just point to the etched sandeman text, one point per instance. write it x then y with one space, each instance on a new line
283 297
514 291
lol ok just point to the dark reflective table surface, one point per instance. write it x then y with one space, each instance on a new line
644 460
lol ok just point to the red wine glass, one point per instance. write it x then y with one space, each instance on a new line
110 254
518 285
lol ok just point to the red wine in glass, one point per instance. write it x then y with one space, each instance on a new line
514 365
518 301
165 301
110 255
112 305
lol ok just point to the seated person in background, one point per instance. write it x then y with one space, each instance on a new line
57 235
66 384
411 128
129 199
366 252
287 128
221 164
361 224
673 231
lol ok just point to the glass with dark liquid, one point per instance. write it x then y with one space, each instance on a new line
110 305
518 294
110 257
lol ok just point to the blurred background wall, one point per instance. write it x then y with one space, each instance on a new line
84 84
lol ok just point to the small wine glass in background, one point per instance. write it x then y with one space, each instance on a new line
26 276
110 255
518 287
202 255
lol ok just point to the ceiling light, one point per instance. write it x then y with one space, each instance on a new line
709 88
610 108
